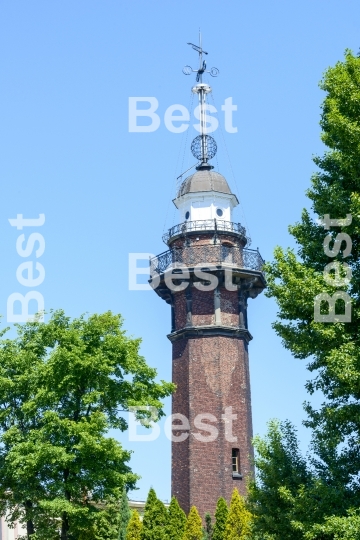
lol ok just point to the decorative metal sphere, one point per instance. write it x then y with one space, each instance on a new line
210 147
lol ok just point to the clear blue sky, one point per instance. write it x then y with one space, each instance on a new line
67 70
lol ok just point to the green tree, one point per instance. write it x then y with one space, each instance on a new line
63 385
295 279
105 525
337 528
193 526
155 518
134 527
221 515
282 474
176 519
238 522
208 529
125 515
148 513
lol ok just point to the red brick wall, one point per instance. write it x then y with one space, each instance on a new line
229 306
202 307
180 455
180 309
211 374
207 238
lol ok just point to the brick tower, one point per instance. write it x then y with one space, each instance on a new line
207 276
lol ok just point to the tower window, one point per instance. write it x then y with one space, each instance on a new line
227 252
219 212
187 215
235 457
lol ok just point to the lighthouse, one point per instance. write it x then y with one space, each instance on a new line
207 275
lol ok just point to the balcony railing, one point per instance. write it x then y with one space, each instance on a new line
209 254
201 225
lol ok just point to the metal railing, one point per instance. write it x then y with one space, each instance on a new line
191 256
205 225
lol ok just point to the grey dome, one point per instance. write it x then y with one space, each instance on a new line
204 180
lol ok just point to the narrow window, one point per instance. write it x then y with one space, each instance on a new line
227 251
235 460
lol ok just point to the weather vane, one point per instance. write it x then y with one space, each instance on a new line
187 70
203 147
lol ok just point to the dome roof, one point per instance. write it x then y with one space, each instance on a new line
204 180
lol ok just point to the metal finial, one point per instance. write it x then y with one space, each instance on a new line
203 146
187 70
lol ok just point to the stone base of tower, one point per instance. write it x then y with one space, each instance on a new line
213 389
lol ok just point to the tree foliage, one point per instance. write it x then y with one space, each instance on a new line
221 515
337 528
134 527
193 527
149 508
286 497
63 385
208 529
319 502
105 525
125 515
175 523
239 519
155 518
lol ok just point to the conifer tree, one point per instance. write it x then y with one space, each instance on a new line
155 518
125 515
193 527
150 501
208 530
221 515
159 521
239 519
134 527
176 520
